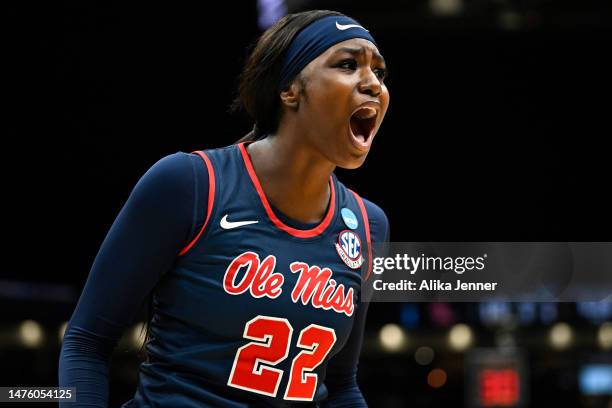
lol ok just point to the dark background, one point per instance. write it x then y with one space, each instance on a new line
497 131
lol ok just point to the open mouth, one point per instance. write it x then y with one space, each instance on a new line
362 124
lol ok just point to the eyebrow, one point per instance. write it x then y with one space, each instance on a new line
361 50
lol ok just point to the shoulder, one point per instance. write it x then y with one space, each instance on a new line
375 213
175 164
172 168
379 223
377 218
173 174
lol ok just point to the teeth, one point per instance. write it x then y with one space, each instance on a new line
365 113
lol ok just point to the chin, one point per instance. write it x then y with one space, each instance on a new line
354 161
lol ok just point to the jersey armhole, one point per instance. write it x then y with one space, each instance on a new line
211 200
366 222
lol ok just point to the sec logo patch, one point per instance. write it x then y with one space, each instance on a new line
349 249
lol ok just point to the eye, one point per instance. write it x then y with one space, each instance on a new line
349 63
381 73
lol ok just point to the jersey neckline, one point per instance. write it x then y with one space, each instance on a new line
299 233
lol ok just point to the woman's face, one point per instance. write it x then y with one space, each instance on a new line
344 101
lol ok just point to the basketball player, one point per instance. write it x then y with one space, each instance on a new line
254 253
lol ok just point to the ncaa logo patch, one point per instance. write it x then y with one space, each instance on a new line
349 218
349 249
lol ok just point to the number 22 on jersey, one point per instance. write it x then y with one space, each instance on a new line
271 340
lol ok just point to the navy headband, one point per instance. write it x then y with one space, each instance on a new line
314 39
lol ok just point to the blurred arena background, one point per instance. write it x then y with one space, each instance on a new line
496 130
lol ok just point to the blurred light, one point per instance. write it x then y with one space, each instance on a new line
596 379
436 378
446 7
424 355
596 312
441 314
505 340
510 20
392 337
30 333
526 312
270 11
499 387
409 315
604 336
532 19
460 337
561 336
492 313
137 335
61 331
548 312
20 290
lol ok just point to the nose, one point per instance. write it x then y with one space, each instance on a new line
369 83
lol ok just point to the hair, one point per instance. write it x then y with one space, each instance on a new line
258 82
258 96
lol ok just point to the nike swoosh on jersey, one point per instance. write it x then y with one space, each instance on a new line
347 26
225 224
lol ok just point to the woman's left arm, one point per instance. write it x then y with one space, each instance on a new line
341 373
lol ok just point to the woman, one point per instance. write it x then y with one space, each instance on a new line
254 253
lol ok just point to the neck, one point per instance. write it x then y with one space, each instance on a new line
293 175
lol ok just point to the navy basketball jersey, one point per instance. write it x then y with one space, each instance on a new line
254 309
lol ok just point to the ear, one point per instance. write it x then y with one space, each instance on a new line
290 97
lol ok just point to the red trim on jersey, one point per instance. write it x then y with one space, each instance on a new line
211 199
366 222
313 232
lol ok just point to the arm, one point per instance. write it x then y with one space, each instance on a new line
155 223
341 375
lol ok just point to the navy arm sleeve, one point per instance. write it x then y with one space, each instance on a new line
156 222
341 375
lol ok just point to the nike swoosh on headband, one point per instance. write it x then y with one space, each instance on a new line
347 26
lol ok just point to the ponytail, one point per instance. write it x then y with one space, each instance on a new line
253 135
